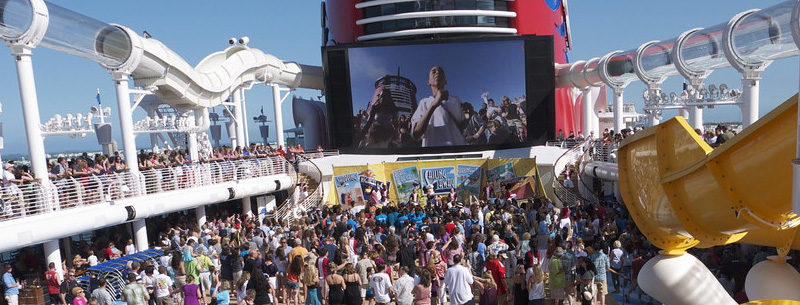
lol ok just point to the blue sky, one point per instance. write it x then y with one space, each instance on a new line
490 66
290 30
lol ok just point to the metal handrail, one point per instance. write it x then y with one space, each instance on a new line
289 210
38 197
568 196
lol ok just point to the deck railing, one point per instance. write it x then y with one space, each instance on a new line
38 197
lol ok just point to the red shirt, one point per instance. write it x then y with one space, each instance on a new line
498 273
51 278
449 227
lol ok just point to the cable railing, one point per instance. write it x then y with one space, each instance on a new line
38 197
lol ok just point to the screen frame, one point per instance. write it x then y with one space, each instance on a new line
539 86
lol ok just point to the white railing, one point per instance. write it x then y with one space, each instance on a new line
569 196
291 210
39 197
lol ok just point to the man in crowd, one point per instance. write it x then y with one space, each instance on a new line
163 287
134 293
69 283
403 286
101 294
53 282
381 285
458 279
12 286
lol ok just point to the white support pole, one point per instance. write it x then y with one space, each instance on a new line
200 213
277 100
53 254
619 119
246 132
588 111
30 112
750 99
696 117
238 114
652 119
685 113
191 118
126 121
140 234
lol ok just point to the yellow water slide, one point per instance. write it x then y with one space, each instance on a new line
683 193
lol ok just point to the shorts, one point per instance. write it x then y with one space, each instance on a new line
557 294
292 285
602 287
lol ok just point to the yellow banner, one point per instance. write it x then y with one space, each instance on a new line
409 181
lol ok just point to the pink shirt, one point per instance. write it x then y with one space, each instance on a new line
422 294
79 301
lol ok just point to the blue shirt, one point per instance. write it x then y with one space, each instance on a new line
381 218
9 281
223 297
600 261
482 250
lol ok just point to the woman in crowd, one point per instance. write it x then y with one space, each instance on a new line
336 285
352 283
293 280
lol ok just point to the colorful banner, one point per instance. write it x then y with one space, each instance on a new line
405 182
503 171
398 180
441 178
349 189
469 181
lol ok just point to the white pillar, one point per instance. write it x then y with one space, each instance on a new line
277 100
246 206
652 119
140 235
619 119
750 99
30 112
588 111
238 114
246 132
192 136
684 113
53 254
200 215
696 117
126 121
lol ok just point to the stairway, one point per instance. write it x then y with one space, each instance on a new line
291 209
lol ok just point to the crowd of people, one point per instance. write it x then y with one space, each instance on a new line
99 177
500 251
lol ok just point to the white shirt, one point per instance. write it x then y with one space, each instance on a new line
458 279
381 284
443 123
402 288
92 259
536 291
163 282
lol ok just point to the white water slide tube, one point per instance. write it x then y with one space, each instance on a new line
151 64
749 40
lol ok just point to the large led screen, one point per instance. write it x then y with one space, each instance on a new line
444 96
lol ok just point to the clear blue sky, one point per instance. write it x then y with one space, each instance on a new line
290 30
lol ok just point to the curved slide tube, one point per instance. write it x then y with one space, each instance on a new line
682 193
215 77
28 23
